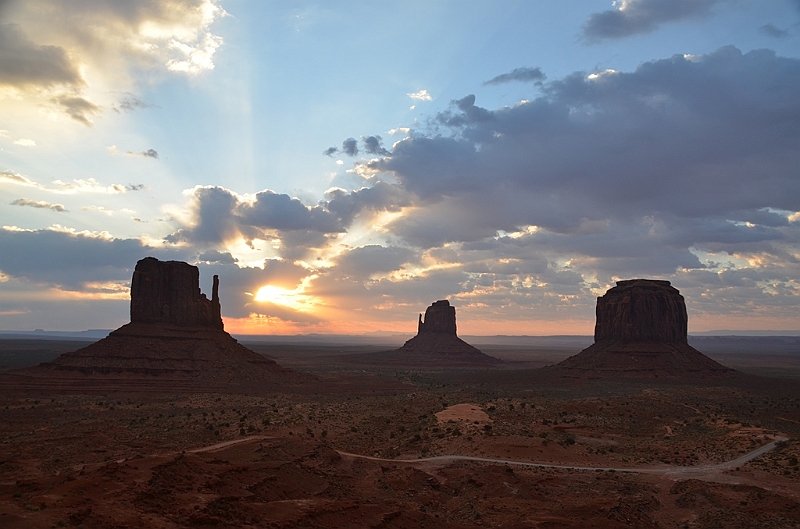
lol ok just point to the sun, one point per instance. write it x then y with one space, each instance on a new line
294 299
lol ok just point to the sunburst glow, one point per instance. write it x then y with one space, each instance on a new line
294 299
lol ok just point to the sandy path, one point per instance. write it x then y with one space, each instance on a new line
226 444
672 471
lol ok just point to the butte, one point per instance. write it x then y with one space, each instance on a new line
436 343
641 332
174 342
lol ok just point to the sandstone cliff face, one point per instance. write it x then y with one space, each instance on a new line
169 292
439 318
641 310
641 332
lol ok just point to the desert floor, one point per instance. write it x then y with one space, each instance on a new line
286 460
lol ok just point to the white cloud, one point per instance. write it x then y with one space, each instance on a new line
53 53
421 95
39 204
25 142
98 209
88 185
149 153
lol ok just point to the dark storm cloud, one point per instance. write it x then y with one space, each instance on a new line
372 145
634 17
524 75
350 146
695 136
24 63
621 173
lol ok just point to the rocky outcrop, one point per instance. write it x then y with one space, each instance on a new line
641 310
439 318
641 332
169 292
175 342
436 342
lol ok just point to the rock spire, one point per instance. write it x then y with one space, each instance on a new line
436 342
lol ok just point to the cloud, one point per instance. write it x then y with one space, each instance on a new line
98 209
17 178
24 63
89 185
372 145
364 261
633 17
108 43
421 95
381 196
219 215
350 147
684 164
271 210
78 108
773 31
149 153
25 142
130 102
213 256
524 75
38 204
69 260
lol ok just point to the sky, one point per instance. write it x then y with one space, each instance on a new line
342 165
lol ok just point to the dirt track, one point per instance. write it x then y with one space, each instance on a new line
672 471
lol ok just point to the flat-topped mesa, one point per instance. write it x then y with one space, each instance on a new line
641 310
169 292
440 317
641 333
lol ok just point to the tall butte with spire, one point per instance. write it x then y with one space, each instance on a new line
436 342
175 341
641 331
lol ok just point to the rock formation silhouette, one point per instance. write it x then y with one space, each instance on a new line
169 292
174 342
439 317
641 330
436 341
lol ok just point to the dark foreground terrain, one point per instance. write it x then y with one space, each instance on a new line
286 460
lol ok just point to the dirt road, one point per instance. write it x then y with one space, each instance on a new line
673 471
